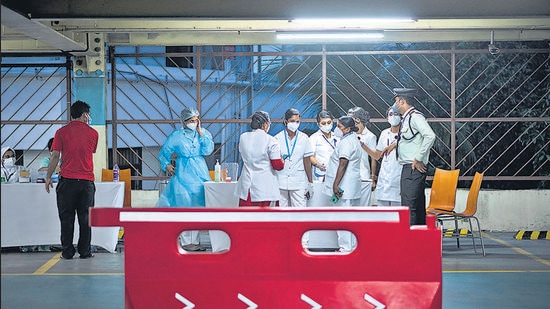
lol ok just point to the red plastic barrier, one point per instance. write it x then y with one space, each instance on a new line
393 266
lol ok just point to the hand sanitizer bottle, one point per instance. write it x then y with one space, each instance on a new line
217 172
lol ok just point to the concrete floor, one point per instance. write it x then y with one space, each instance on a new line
514 274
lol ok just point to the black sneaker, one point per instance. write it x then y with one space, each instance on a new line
87 256
66 257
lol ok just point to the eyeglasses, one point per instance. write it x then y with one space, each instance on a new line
193 121
324 123
393 114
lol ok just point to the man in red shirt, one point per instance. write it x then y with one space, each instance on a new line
76 142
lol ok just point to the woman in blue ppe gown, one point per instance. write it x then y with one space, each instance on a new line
186 188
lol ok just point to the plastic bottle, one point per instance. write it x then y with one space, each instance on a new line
116 172
217 172
336 197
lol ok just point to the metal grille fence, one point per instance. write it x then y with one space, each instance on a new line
490 112
35 103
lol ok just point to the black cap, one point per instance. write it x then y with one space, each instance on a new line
405 92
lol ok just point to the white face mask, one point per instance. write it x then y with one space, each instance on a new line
192 126
326 128
9 162
338 133
394 120
293 126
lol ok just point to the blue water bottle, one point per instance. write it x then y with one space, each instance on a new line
116 172
336 197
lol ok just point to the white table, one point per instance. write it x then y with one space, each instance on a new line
221 195
29 215
321 239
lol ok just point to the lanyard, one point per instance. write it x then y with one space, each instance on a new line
289 153
329 141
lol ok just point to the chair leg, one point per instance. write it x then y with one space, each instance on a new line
439 222
480 236
457 233
473 235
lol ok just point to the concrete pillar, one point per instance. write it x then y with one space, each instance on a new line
89 85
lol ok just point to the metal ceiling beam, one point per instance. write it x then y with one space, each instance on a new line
39 32
280 9
173 24
143 31
267 38
58 29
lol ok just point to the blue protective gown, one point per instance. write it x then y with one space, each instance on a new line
185 188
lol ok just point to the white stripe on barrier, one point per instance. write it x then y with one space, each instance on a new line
375 216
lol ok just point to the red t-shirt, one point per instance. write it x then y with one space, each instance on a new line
77 142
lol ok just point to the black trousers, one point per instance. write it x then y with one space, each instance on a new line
75 196
413 195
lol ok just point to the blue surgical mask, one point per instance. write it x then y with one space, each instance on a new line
395 109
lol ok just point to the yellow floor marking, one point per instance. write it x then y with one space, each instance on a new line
49 264
519 250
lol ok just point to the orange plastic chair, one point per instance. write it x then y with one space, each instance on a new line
443 193
468 214
124 175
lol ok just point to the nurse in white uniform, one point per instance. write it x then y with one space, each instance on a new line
261 154
342 180
323 143
387 190
9 169
367 141
295 180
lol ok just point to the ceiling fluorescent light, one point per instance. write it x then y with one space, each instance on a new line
336 36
